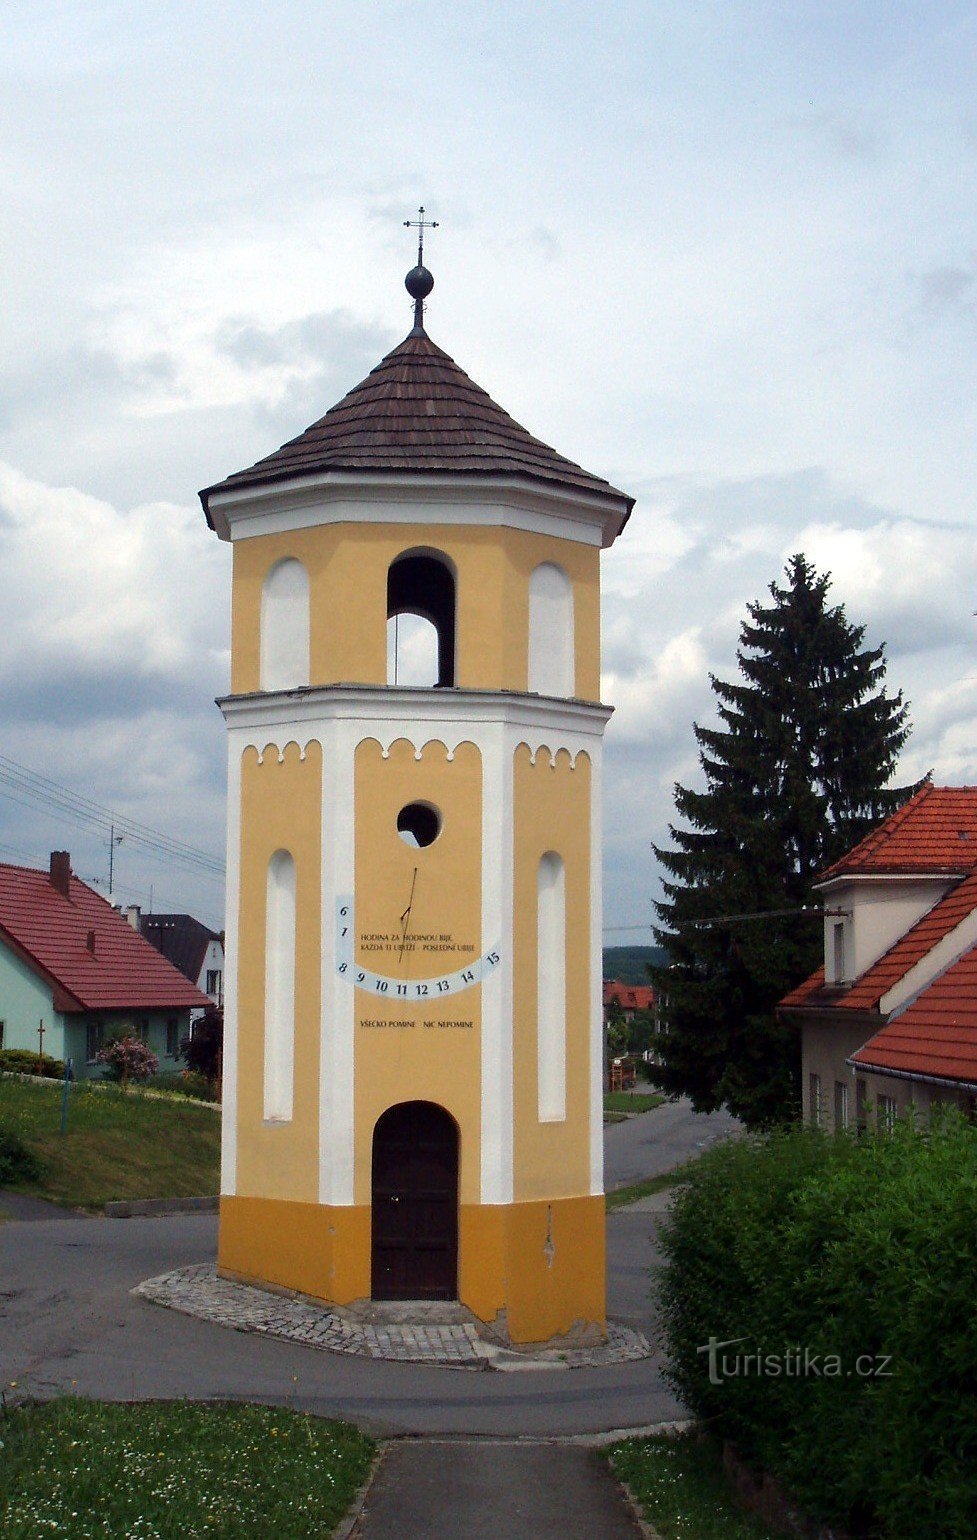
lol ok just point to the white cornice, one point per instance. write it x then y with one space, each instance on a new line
887 877
340 497
410 709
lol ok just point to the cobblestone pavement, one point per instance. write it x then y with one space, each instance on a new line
198 1291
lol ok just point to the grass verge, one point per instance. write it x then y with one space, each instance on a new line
620 1197
632 1101
159 1470
678 1482
118 1143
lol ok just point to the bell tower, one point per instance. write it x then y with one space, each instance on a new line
412 1062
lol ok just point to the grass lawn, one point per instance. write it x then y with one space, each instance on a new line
681 1488
632 1101
174 1471
118 1144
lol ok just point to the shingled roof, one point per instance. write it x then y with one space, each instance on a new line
82 947
417 412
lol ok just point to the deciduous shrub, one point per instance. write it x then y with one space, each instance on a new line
18 1163
21 1061
128 1058
861 1254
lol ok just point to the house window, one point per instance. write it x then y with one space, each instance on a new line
172 1038
213 982
861 1104
94 1039
2 1025
885 1108
841 1105
142 1030
838 957
814 1097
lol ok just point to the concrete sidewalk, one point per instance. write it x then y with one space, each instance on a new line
457 1490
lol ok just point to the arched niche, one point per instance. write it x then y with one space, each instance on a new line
279 1064
551 988
285 626
551 635
421 598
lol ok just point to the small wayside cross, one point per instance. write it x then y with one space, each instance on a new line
41 1029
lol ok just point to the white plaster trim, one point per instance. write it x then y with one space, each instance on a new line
420 716
233 901
336 1052
888 877
596 975
948 950
338 497
496 1182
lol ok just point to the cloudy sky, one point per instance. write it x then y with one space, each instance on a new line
724 254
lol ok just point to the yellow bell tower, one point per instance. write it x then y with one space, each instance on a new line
412 1061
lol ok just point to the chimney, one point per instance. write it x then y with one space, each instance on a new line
91 941
61 872
133 914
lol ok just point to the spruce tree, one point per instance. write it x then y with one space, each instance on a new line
796 773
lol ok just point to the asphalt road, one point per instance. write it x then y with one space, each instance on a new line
69 1323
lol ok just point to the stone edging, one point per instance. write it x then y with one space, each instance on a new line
199 1291
132 1208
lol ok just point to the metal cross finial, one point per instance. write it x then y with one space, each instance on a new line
420 225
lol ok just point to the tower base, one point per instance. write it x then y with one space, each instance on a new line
531 1272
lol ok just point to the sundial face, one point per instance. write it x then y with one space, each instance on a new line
399 952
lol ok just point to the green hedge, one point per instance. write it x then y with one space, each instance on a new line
858 1251
22 1061
18 1163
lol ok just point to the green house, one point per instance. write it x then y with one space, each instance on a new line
74 973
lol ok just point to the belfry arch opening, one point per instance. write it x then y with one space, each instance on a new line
421 620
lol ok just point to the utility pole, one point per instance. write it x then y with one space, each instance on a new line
114 839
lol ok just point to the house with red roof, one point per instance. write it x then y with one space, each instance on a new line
630 997
890 1020
74 972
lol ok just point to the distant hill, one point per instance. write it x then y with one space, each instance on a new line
628 964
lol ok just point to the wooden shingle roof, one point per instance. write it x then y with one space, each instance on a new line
417 412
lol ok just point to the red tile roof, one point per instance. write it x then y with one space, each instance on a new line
418 411
936 1035
866 992
631 997
51 933
935 831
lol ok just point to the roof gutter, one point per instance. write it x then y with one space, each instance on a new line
905 1074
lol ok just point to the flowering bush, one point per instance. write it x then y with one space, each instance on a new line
127 1058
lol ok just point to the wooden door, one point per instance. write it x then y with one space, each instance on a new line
415 1203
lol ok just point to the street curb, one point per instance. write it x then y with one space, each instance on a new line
645 1529
350 1525
134 1208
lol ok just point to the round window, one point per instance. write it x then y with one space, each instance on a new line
419 824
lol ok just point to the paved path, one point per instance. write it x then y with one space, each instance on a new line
431 1490
69 1323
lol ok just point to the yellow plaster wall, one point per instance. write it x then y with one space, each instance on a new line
552 811
535 1269
280 810
429 1051
347 566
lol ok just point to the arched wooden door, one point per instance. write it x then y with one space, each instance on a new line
415 1203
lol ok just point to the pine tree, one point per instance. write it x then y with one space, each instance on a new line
795 774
